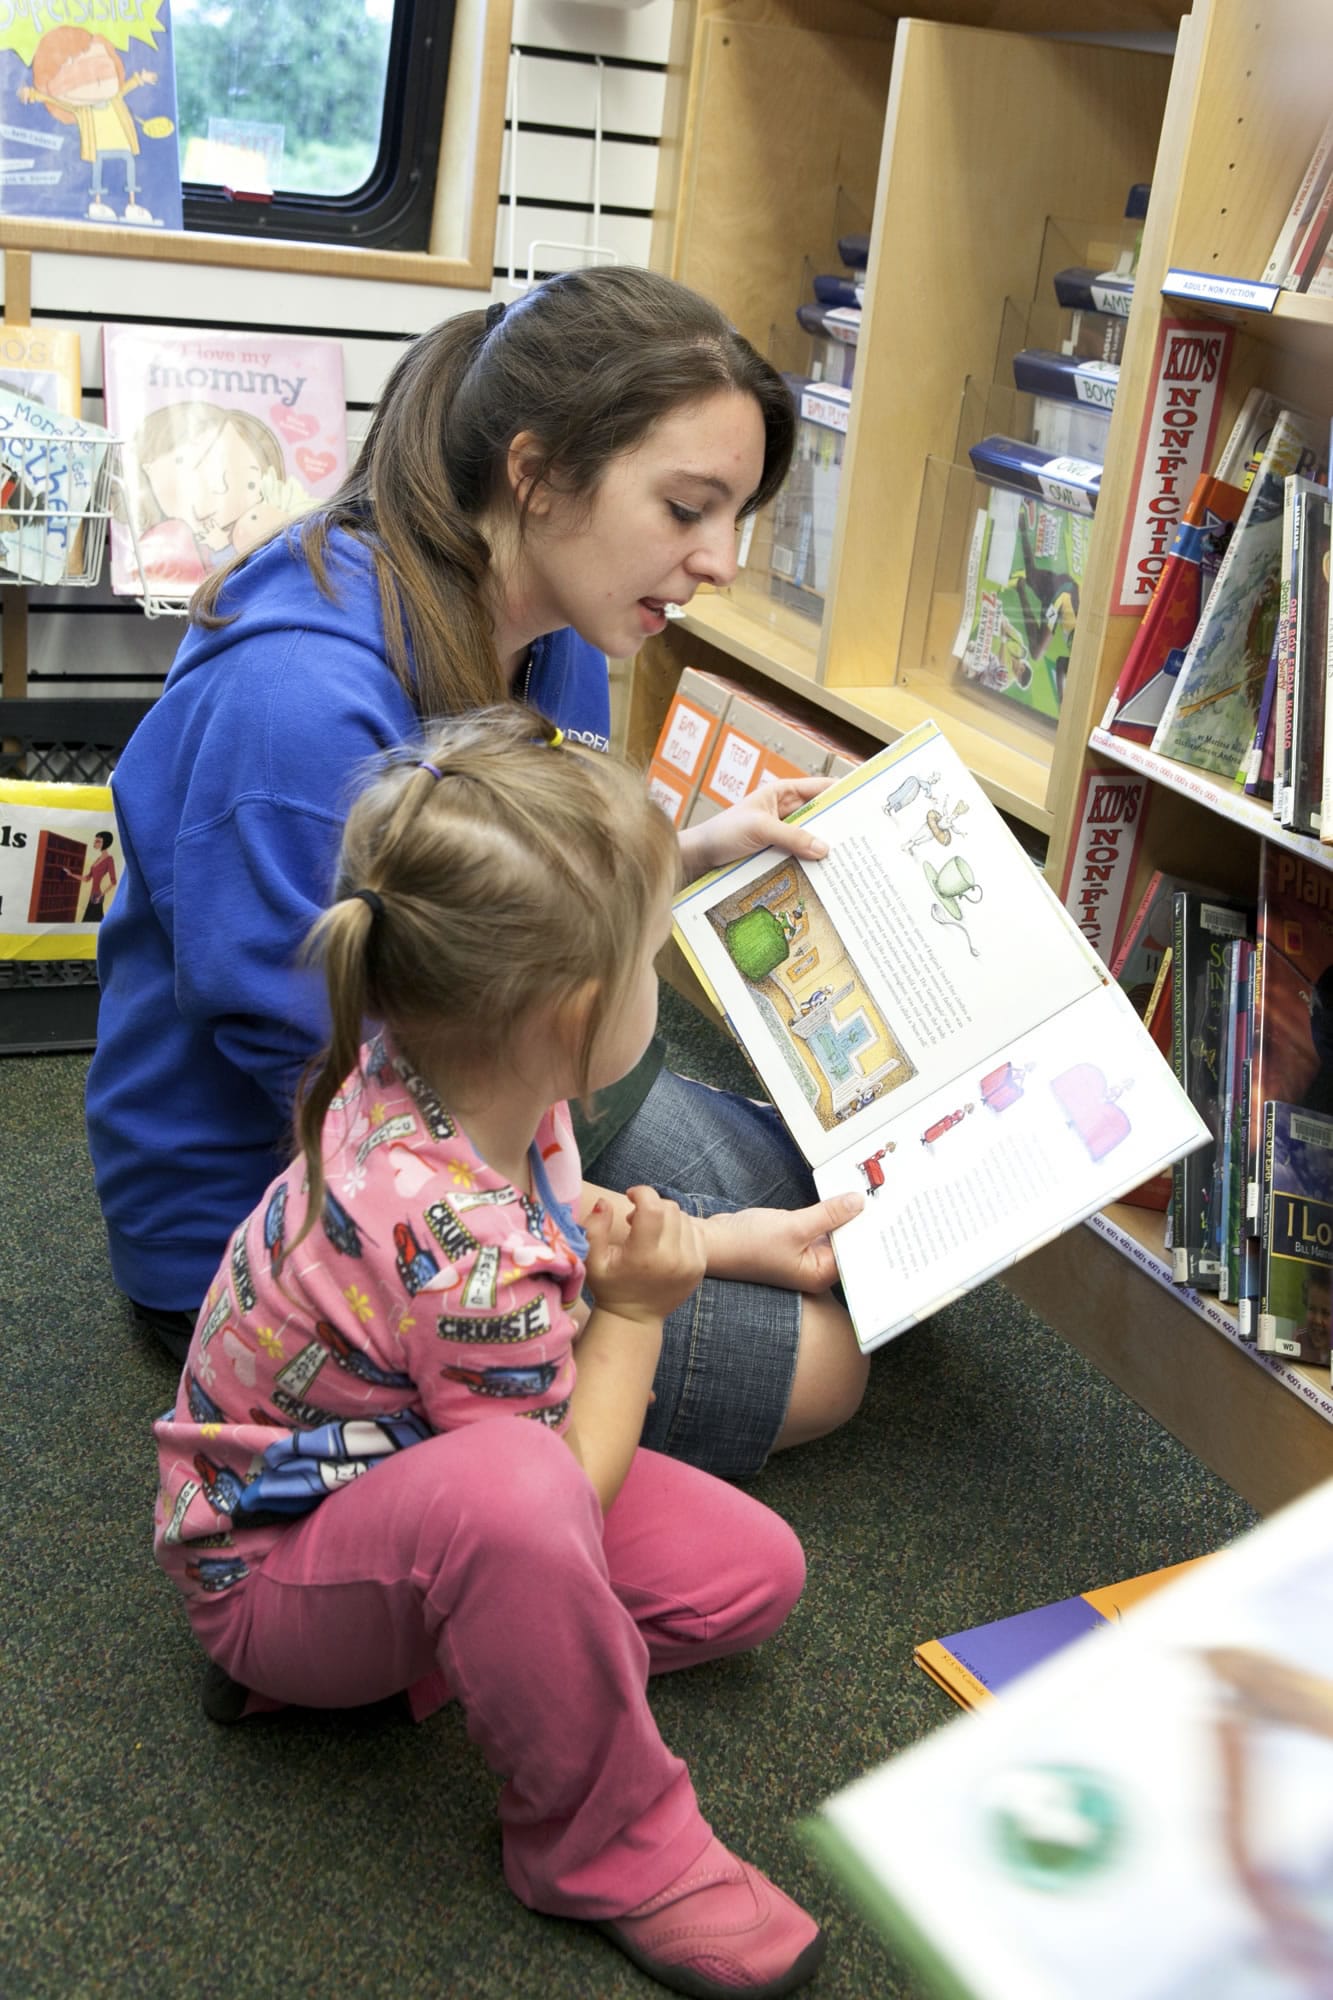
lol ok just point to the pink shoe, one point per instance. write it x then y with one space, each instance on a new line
721 1931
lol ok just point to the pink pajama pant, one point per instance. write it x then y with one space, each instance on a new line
483 1556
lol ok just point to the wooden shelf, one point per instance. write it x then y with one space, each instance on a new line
1226 800
1297 322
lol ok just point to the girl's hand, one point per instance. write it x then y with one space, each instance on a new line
780 1246
642 1269
757 822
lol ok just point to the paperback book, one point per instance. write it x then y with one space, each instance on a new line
1296 1235
1214 699
1292 1031
1204 926
974 1666
226 438
983 1098
1307 626
89 126
43 364
1148 1812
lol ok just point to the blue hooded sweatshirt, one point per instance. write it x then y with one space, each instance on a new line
230 801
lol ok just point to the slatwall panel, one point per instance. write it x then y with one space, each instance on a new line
87 642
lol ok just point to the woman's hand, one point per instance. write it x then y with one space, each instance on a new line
757 822
789 1247
642 1264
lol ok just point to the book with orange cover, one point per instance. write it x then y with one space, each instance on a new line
974 1666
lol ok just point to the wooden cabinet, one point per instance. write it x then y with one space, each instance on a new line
983 136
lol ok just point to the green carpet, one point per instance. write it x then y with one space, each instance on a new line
353 1856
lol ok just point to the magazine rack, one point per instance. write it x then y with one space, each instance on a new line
51 1004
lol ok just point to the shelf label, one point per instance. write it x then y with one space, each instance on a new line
1112 293
1102 853
1071 483
1214 289
1189 372
827 406
1095 382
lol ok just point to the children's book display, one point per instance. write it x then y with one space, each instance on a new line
88 130
43 364
1147 1815
225 437
1020 606
974 1666
53 493
983 1098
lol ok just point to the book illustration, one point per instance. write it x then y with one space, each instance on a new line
952 885
914 1066
837 1042
873 1166
226 438
58 868
1159 1789
1092 1108
933 1133
940 825
88 120
1296 1252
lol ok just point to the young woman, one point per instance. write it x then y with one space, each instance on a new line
403 1454
536 486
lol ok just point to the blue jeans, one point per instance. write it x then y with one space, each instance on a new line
729 1352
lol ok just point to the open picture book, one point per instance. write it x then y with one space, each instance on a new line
936 1032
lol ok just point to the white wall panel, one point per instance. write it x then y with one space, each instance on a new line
562 168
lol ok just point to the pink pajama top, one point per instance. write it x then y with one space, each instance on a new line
430 1293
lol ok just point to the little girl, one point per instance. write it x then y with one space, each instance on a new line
384 1470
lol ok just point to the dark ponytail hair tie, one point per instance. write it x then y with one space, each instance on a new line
372 902
495 312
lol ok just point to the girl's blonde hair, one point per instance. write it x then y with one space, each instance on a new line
506 867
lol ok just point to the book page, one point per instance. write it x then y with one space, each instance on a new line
862 983
936 1032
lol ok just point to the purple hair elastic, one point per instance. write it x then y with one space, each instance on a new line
434 769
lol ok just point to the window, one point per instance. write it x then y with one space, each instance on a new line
317 119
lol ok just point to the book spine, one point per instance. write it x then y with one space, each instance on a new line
1282 639
1312 244
1265 1321
1284 802
1306 194
1254 1147
1180 1259
1310 598
1134 927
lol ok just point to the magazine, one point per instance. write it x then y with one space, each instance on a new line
984 1097
973 1666
1025 574
1148 1814
225 436
89 126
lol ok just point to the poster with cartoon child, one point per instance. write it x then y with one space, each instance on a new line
88 115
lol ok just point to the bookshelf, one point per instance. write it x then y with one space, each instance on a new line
836 117
1226 134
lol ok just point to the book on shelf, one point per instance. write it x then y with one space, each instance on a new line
1261 770
225 437
1214 700
1146 938
1021 598
52 475
1292 1031
975 1665
1304 203
1073 400
1149 1811
1231 1159
1314 243
44 364
1158 1019
1301 807
1296 1235
983 1099
1202 927
89 129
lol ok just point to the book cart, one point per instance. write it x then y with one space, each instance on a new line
785 101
